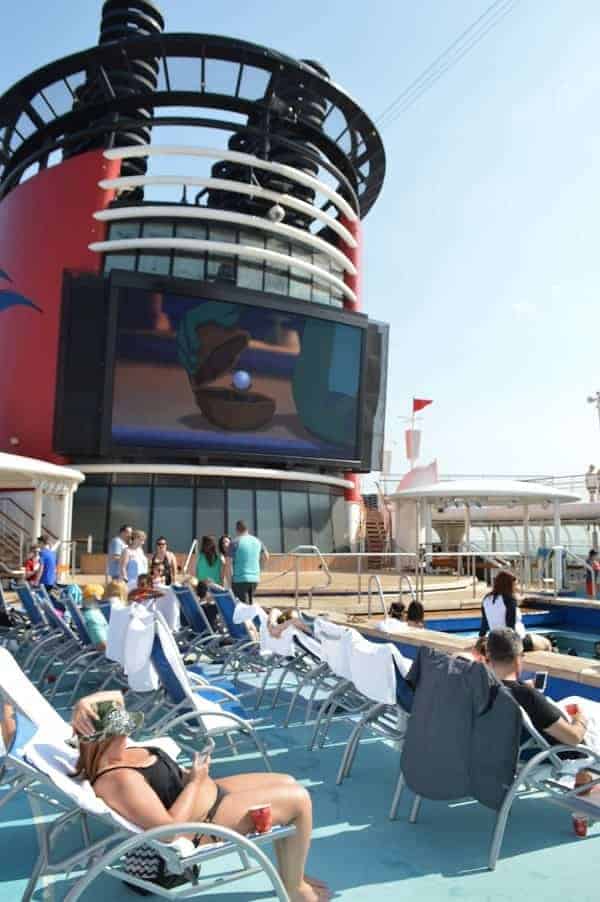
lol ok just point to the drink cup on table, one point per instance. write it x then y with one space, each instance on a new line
262 817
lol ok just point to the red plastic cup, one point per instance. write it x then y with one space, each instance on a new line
572 709
580 825
262 817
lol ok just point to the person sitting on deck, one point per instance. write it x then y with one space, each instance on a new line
500 609
394 622
148 788
415 616
280 621
95 621
504 658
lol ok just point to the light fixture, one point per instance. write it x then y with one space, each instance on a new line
14 440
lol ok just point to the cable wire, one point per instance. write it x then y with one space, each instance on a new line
455 51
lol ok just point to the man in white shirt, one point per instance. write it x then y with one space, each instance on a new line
116 548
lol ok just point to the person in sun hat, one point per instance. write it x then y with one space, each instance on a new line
146 786
94 619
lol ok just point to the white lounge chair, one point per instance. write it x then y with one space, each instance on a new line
39 760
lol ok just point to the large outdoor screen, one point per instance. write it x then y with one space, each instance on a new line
218 372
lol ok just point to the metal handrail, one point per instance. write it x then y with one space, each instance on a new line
308 550
404 577
490 556
375 579
27 514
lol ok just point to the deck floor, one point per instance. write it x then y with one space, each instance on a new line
358 850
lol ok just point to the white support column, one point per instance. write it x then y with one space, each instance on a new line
65 528
558 551
556 513
428 528
38 504
527 567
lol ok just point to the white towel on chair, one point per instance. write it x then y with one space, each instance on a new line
244 612
57 760
168 605
373 671
141 675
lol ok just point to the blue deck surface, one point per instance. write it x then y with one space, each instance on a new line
358 850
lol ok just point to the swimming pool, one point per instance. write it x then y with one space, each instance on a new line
576 631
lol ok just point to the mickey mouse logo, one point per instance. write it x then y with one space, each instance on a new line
11 298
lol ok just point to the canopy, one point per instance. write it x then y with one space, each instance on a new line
18 472
485 491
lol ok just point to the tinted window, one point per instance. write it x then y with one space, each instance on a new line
173 516
268 516
294 506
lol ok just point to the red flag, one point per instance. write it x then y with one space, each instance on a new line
420 403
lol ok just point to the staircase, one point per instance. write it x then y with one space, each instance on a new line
376 538
13 541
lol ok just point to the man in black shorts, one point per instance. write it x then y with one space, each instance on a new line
504 657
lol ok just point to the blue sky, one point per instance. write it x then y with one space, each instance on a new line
482 249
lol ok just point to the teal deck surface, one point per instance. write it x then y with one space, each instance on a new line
357 849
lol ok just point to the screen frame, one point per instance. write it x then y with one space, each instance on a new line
120 280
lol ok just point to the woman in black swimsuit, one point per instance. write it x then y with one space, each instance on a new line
149 789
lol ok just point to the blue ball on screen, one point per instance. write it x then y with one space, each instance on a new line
242 380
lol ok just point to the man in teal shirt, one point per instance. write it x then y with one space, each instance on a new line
247 553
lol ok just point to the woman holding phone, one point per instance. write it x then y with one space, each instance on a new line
148 788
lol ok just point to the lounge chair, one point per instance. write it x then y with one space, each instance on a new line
495 725
193 708
39 761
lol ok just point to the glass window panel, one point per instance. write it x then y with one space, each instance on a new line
129 504
268 519
221 76
276 280
119 230
280 247
15 141
89 514
25 125
322 527
76 80
41 108
184 73
240 506
321 294
189 267
300 289
191 230
335 123
254 83
250 275
220 269
294 507
59 97
222 233
119 261
339 518
210 511
251 238
155 263
172 516
157 229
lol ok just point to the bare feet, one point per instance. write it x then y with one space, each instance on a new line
314 881
308 893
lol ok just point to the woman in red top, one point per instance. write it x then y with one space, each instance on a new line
33 565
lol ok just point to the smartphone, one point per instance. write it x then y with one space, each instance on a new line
541 680
207 751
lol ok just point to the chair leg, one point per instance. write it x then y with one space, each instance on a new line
261 748
397 796
500 827
414 811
